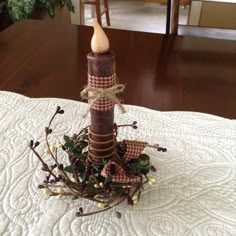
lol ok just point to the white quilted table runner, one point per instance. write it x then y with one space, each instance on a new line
195 193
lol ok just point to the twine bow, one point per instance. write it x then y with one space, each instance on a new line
95 94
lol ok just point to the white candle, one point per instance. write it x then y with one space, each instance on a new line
99 42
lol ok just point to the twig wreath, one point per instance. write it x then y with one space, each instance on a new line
109 184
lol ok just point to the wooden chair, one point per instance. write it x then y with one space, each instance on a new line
99 12
199 31
171 6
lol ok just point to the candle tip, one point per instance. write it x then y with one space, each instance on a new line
99 42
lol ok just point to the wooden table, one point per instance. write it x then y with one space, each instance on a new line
163 72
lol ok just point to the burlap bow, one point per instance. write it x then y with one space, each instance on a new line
95 94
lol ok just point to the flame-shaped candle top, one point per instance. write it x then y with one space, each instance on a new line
99 42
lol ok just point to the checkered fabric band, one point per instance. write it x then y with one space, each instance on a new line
119 176
101 82
103 104
126 179
106 171
133 149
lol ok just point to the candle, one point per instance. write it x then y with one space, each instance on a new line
101 75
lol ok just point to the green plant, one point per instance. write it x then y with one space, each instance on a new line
21 9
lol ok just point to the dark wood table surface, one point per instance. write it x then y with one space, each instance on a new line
162 72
